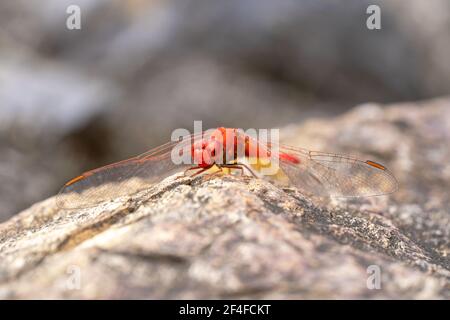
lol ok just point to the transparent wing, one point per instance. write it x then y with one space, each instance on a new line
122 178
327 174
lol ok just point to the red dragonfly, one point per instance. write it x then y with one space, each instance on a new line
316 173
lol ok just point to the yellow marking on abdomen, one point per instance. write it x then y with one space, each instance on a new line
376 165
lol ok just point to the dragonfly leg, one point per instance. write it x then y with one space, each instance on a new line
233 166
218 171
203 169
249 169
190 169
240 166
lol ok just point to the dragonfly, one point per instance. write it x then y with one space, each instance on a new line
312 172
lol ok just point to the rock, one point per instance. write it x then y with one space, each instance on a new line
240 237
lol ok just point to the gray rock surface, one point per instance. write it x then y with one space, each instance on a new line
239 237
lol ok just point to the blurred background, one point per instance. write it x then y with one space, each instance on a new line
72 100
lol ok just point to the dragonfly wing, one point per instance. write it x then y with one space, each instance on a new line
327 174
122 178
118 180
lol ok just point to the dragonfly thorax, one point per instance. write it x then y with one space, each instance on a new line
220 147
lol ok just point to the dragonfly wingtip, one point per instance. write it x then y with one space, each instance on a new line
76 179
375 164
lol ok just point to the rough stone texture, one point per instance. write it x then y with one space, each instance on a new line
239 237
